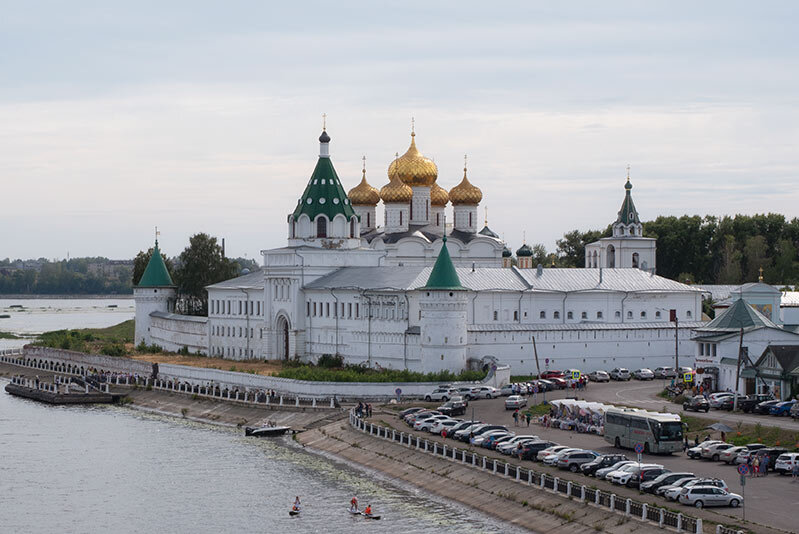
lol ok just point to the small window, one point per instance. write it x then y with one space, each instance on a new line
542 315
556 314
688 313
496 315
321 227
308 309
584 315
657 315
569 315
516 316
643 315
618 314
599 315
629 315
357 310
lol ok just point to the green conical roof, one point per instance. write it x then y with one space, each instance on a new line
324 194
443 275
628 213
739 315
156 273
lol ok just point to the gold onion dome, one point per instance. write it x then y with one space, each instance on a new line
413 168
364 194
438 196
396 191
465 192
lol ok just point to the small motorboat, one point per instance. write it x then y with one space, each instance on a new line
265 431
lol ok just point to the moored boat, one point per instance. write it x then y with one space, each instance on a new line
265 431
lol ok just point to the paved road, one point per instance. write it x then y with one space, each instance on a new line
771 500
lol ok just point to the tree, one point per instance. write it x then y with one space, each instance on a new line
785 266
143 258
730 272
756 257
571 249
539 254
201 264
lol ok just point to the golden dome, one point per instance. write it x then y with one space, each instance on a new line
364 194
465 192
396 191
413 168
438 196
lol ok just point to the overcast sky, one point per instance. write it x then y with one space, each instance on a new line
204 116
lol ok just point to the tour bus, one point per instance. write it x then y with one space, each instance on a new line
657 432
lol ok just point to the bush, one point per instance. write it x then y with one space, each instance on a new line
113 349
356 373
329 361
149 349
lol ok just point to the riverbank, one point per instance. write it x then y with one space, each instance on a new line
530 508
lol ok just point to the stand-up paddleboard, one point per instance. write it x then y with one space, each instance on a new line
353 512
294 512
370 516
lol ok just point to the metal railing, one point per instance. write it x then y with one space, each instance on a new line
616 503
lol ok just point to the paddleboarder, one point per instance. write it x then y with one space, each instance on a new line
354 504
297 505
368 510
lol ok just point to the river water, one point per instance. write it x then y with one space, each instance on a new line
113 469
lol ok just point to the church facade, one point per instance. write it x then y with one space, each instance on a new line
422 293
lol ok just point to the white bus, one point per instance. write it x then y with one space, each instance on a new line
657 432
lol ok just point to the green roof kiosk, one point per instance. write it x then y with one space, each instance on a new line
155 292
442 302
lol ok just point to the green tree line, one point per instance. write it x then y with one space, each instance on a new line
65 277
710 250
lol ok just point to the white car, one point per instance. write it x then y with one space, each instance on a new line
514 402
622 476
786 462
443 393
439 427
552 459
486 392
673 493
508 446
701 496
605 471
676 485
506 390
696 452
644 374
426 424
713 452
552 450
665 372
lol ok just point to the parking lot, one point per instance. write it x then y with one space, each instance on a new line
771 500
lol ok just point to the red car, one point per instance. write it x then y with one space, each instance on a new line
559 382
552 374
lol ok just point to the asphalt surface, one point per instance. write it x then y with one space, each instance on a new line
772 500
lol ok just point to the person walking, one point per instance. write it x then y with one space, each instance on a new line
685 444
764 464
528 417
756 467
516 417
795 470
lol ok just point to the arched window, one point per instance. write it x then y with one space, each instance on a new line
321 226
688 313
426 210
401 214
584 315
569 315
599 315
629 315
611 252
657 315
643 315
542 315
438 219
556 315
368 220
470 219
618 314
411 214
635 260
352 227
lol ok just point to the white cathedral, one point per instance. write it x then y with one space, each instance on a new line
419 294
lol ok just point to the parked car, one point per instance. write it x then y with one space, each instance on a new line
409 411
426 423
786 462
530 449
551 450
697 403
441 426
605 460
551 374
683 370
643 374
713 452
751 448
675 486
782 408
552 459
467 392
456 406
673 493
598 376
665 372
763 408
490 437
506 390
666 479
748 403
508 446
715 398
696 452
572 374
633 474
546 384
773 453
464 433
573 460
514 402
620 373
482 429
728 456
728 403
411 418
701 496
603 472
486 392
441 394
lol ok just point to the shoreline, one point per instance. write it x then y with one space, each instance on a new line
126 296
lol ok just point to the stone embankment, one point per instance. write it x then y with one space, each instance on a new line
530 508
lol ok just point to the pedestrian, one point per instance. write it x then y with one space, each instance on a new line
516 418
685 444
723 436
696 440
528 416
795 470
764 464
756 467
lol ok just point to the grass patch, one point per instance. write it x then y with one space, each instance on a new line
357 373
110 341
773 436
514 379
8 335
537 409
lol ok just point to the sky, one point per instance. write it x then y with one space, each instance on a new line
204 116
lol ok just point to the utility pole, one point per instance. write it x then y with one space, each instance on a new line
673 317
537 365
738 369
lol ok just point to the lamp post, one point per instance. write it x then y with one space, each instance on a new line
738 369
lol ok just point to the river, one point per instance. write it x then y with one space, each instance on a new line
114 469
